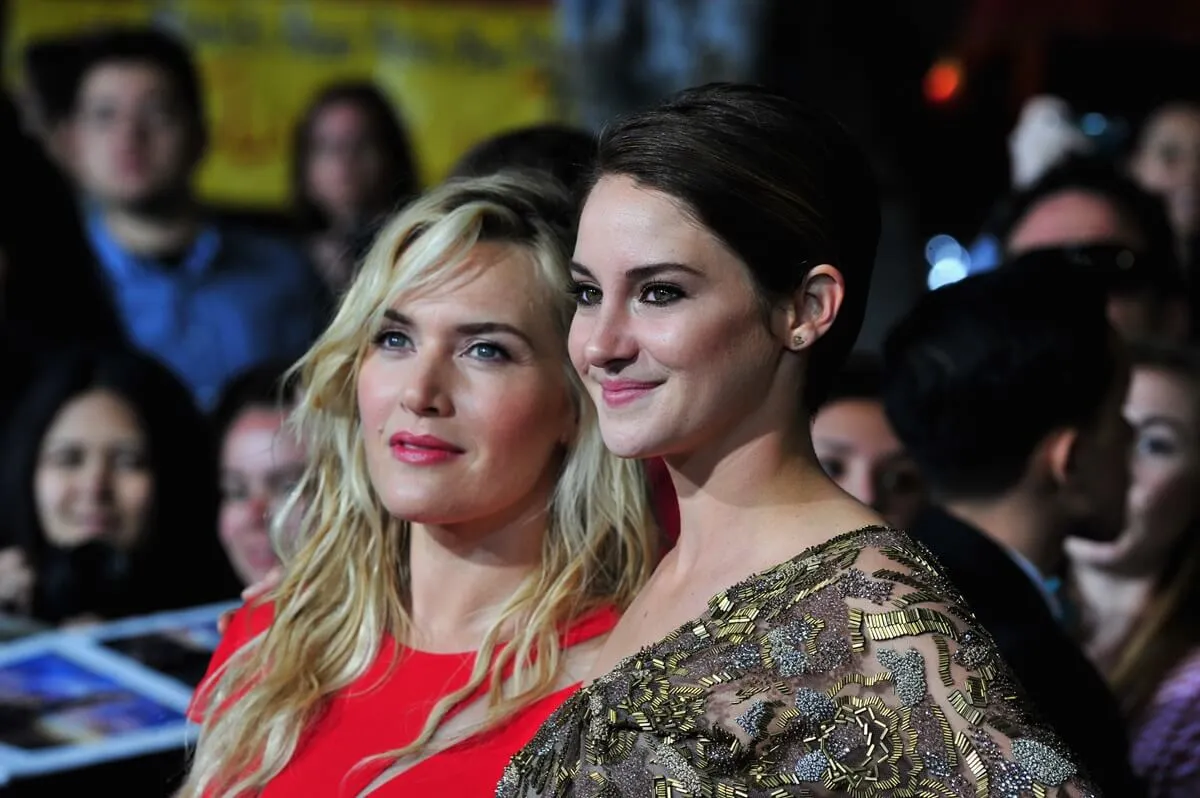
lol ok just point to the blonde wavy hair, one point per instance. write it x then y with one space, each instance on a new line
347 580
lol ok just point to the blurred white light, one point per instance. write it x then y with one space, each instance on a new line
947 271
940 247
1093 124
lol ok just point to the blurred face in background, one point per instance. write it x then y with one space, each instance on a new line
135 143
1072 218
93 480
1167 162
261 461
858 450
347 165
1163 408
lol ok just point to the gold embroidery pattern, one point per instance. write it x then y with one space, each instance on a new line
853 669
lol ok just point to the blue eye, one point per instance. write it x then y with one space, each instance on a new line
392 339
484 350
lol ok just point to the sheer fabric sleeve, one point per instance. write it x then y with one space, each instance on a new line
859 673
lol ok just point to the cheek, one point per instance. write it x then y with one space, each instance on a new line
1162 495
49 491
523 422
232 519
577 340
377 397
134 492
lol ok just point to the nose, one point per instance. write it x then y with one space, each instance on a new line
861 486
609 342
97 479
258 511
425 391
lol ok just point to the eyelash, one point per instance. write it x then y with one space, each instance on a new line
382 336
578 291
502 354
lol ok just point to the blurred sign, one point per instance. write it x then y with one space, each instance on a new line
456 72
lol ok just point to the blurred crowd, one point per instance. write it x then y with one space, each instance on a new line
1052 466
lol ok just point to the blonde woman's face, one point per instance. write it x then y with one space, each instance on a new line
464 399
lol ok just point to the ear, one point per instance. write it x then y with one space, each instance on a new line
812 308
1059 454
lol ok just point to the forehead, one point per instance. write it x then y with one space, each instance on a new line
94 414
125 79
1153 389
340 115
495 282
860 422
1176 122
1072 217
624 224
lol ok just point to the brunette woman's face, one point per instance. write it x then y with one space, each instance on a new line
261 461
1168 163
859 451
93 480
669 336
347 166
1164 410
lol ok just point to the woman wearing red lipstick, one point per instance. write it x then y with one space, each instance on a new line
790 643
468 540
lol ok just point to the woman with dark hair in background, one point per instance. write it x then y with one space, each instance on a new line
353 165
858 448
1166 161
790 643
109 491
260 461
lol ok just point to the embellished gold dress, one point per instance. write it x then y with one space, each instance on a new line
852 669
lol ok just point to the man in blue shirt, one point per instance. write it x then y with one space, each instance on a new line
208 300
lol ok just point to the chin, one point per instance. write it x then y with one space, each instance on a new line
628 445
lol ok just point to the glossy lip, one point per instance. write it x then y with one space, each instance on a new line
618 393
408 447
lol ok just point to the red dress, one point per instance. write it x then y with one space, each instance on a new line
384 711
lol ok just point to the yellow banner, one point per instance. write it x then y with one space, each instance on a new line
455 72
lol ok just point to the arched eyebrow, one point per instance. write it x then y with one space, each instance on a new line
471 328
640 273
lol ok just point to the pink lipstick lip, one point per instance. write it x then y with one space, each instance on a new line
416 449
622 392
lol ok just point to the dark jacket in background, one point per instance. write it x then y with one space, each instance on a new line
1056 675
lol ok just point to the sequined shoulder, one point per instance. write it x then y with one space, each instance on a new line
853 669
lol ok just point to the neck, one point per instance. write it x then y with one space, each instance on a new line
1017 523
462 576
764 491
153 234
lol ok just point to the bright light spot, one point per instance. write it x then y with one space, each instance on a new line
949 261
941 246
1093 124
944 80
946 271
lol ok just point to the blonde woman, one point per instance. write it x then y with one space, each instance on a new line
469 541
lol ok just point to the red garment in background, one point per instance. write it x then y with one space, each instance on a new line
385 709
666 504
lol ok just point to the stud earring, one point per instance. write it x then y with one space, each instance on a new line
798 341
